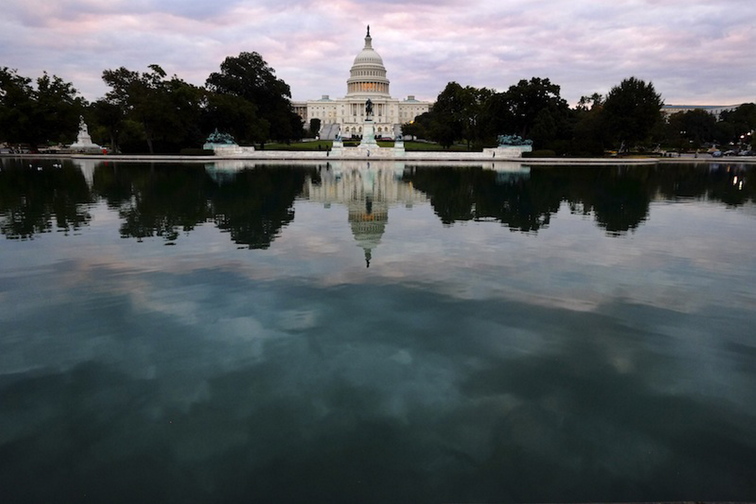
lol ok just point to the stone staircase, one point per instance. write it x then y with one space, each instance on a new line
329 131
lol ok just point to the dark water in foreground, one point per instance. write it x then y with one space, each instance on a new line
182 333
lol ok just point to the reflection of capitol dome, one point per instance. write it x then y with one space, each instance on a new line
368 193
368 75
368 220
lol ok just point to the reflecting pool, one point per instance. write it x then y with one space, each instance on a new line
376 333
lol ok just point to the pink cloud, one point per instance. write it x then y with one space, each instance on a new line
694 47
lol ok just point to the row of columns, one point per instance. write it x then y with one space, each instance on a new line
368 87
358 109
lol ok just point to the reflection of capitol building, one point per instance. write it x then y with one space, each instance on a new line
367 190
367 80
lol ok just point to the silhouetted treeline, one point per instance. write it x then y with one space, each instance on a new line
150 112
628 117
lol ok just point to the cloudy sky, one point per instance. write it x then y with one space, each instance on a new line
694 51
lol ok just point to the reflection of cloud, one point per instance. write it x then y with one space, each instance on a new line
218 375
466 367
476 365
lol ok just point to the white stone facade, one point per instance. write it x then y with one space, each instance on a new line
367 80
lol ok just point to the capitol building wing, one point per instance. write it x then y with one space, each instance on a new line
367 80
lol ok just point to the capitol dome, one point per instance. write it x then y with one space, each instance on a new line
368 75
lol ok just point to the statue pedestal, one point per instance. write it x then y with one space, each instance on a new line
338 148
229 150
83 138
84 141
225 147
507 151
368 135
399 147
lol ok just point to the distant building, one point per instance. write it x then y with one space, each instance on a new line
367 80
715 110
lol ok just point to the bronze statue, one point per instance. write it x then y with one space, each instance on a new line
512 140
220 138
369 108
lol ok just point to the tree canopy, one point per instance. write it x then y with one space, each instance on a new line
162 110
631 110
249 77
150 111
47 113
742 122
535 109
148 108
531 109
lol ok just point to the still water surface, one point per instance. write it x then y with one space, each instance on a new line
383 333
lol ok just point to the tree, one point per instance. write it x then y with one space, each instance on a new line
531 109
47 113
138 96
693 126
58 109
446 114
110 117
314 127
459 113
588 131
589 103
536 109
186 101
166 110
631 110
475 119
236 116
741 122
16 106
248 76
417 128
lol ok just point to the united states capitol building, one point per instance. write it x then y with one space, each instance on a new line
367 80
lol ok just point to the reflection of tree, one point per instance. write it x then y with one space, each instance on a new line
617 196
450 190
522 203
34 192
734 185
257 203
731 184
621 205
154 200
165 199
253 205
680 182
460 194
114 183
